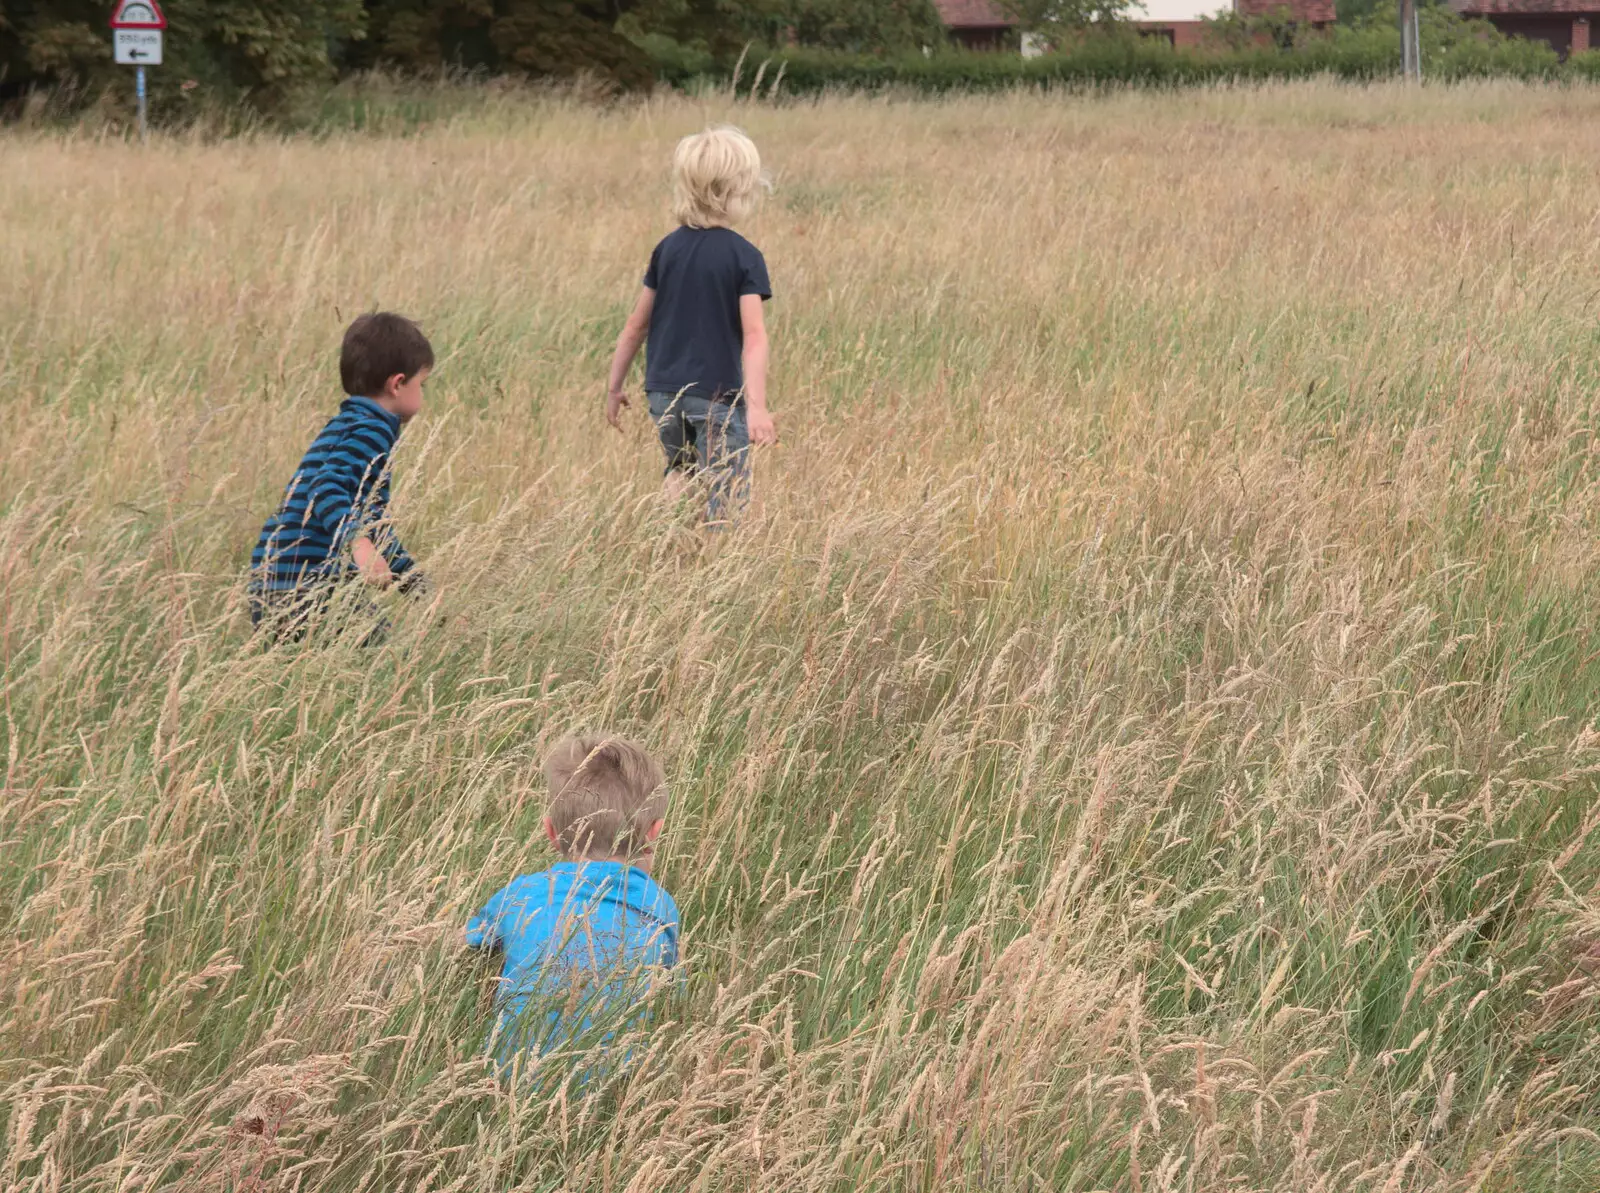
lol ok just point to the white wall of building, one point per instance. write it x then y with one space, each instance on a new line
1179 10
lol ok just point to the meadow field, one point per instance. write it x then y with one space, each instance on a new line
1140 738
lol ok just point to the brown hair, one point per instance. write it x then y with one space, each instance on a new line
376 347
605 793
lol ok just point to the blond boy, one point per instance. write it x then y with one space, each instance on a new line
585 936
700 311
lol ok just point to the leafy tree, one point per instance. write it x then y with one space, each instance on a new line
1278 27
870 26
718 27
264 50
542 38
1441 27
257 48
723 27
1062 22
1355 12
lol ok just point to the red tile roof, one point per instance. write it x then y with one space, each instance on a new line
1312 12
1478 8
985 14
973 14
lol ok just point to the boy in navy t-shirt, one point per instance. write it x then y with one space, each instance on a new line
700 311
589 937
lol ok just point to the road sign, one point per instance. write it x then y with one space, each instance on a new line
136 27
137 47
138 14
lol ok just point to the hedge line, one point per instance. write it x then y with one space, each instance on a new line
1343 53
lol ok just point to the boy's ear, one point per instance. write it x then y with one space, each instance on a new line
391 387
550 831
654 831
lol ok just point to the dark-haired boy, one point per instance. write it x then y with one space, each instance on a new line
333 523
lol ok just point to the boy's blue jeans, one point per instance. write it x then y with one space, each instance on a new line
706 439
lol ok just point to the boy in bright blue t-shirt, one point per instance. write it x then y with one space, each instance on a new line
587 938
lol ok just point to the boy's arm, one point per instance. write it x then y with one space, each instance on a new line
483 929
333 493
757 416
389 548
632 338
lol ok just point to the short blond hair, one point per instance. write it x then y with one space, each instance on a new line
716 178
605 793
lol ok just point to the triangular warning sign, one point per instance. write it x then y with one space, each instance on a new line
138 14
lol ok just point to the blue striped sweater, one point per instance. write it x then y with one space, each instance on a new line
339 493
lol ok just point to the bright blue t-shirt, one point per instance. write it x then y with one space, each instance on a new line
585 935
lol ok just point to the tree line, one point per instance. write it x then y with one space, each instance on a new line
261 52
262 49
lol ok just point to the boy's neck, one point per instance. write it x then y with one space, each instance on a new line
387 403
638 862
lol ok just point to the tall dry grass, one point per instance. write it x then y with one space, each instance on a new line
1140 740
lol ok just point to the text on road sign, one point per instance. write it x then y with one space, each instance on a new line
137 47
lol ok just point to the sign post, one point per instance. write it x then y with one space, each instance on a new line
136 29
1410 41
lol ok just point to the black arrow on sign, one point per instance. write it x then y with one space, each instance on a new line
138 54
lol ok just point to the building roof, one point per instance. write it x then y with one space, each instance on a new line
1312 12
1481 8
973 14
986 14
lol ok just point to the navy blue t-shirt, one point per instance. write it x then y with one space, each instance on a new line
696 344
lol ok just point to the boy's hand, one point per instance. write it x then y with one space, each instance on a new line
615 401
374 568
762 429
378 573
